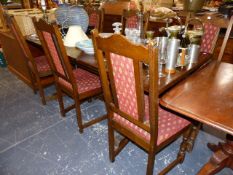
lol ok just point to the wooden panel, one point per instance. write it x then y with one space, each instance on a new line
115 8
17 62
227 56
108 20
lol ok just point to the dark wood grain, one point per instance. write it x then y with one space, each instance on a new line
206 96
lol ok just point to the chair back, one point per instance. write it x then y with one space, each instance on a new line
209 38
96 17
129 19
54 48
11 22
122 78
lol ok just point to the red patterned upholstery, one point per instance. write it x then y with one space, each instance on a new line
124 79
53 52
125 84
169 124
42 65
94 19
209 38
85 80
132 22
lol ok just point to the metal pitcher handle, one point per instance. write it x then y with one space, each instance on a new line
194 19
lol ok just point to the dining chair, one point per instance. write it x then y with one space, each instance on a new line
41 74
96 17
130 111
78 83
209 38
129 19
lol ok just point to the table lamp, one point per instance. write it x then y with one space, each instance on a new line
74 35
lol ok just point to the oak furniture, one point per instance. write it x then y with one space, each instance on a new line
96 17
88 62
131 113
40 71
211 86
78 83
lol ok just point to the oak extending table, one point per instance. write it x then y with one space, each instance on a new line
207 97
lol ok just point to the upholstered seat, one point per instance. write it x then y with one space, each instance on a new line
169 124
85 80
43 66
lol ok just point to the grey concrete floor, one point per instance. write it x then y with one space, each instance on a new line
36 140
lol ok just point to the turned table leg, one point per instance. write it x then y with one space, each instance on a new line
222 157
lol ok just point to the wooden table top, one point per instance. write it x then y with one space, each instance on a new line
206 96
89 62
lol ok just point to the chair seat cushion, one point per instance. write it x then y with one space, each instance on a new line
43 66
85 80
169 124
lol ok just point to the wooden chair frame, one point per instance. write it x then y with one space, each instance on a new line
42 26
100 12
38 80
139 54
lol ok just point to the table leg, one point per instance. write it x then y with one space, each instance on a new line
222 157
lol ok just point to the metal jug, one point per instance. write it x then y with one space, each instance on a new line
193 53
194 36
172 54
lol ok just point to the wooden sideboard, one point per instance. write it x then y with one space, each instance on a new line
16 59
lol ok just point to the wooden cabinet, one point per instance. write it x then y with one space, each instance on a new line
16 60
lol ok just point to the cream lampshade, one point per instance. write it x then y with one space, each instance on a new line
74 35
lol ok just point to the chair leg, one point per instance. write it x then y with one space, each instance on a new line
181 154
41 92
111 141
33 82
60 101
79 116
150 164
